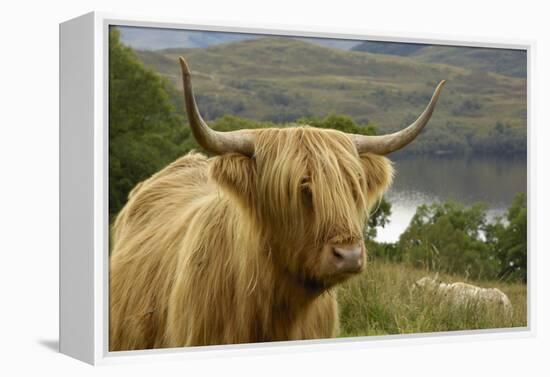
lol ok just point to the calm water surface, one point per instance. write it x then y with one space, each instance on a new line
425 180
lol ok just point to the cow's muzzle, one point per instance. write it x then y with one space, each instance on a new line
348 258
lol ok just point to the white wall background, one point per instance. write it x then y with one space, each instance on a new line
29 182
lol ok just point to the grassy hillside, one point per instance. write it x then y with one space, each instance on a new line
389 48
381 302
281 80
501 61
506 62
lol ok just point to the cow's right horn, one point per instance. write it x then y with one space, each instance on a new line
385 144
241 141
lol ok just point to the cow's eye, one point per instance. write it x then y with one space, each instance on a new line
305 186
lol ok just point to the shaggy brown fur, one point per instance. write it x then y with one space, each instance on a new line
226 250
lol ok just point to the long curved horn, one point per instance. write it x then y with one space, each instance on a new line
213 141
385 144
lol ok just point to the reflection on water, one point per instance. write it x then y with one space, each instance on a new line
424 180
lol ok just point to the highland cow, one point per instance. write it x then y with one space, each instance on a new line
246 246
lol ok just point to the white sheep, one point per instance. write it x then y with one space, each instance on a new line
461 293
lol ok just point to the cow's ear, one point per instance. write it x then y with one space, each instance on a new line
236 174
379 175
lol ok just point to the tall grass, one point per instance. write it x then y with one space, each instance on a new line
382 301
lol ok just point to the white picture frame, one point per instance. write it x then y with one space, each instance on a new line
84 235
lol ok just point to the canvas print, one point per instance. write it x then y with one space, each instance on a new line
272 188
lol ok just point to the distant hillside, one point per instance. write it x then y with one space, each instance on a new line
390 48
281 80
505 62
502 61
340 44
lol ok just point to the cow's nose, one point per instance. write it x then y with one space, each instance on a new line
348 258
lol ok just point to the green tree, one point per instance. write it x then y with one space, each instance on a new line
449 237
145 133
509 240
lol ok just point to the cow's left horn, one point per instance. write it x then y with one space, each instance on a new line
385 144
213 141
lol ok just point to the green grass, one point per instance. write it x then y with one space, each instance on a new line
381 302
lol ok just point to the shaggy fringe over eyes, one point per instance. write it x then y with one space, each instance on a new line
304 170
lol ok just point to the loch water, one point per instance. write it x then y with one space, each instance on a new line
468 180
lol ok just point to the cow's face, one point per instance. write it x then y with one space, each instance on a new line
310 192
308 189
